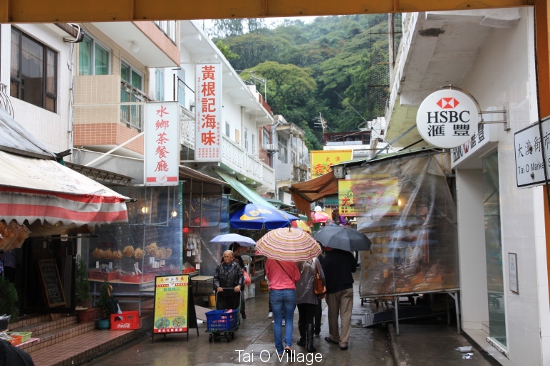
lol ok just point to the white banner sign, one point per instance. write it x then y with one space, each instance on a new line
528 146
447 118
208 91
162 145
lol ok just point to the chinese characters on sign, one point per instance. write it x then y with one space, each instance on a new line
366 196
447 118
171 304
323 160
528 146
162 146
209 107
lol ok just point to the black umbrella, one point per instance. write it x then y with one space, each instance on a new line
344 238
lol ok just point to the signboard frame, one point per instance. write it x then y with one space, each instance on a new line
162 144
180 303
43 266
528 154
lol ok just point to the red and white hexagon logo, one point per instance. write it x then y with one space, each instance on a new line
447 103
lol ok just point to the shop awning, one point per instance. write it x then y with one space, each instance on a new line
37 189
303 194
246 192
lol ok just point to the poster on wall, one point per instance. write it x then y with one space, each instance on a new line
323 160
171 304
368 196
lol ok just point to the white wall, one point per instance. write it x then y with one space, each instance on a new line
504 74
52 129
472 258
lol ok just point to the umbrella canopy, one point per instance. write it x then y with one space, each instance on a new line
344 238
288 245
256 217
319 216
300 224
233 238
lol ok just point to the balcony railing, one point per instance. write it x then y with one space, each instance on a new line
238 159
132 114
187 124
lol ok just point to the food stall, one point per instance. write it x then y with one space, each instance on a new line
130 255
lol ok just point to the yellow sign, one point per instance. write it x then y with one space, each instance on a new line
171 300
377 197
323 160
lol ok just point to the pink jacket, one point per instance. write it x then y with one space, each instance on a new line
278 279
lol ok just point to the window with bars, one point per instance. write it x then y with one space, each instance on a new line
33 75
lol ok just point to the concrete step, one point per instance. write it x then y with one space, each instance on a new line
79 348
47 325
58 335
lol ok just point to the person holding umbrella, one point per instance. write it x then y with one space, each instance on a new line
339 266
283 248
282 277
236 248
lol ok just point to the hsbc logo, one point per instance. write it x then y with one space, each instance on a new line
447 118
448 103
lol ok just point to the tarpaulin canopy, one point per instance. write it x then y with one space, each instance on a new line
36 189
246 192
305 193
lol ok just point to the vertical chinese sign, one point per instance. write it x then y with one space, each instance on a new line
171 300
162 145
208 144
323 160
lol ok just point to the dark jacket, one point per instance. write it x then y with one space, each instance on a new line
228 278
338 266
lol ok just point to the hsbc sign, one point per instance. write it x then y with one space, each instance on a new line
447 118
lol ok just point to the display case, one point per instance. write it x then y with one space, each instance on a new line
405 207
148 245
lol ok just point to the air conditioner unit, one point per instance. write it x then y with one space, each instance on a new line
270 147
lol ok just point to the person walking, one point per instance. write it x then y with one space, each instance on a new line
307 301
228 275
282 277
338 266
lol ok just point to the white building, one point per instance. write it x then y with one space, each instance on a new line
489 54
243 113
291 157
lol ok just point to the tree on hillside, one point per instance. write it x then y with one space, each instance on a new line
287 85
235 27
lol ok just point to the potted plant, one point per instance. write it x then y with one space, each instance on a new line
8 299
83 298
107 305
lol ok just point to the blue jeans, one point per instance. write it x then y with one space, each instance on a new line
283 299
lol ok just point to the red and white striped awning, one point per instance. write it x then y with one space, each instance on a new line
35 189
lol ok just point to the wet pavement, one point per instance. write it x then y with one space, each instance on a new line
420 343
253 344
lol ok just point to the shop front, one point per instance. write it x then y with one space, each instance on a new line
502 226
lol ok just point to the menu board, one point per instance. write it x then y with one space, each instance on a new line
51 283
171 304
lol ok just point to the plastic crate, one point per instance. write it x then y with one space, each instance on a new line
25 336
125 321
102 275
15 340
220 320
